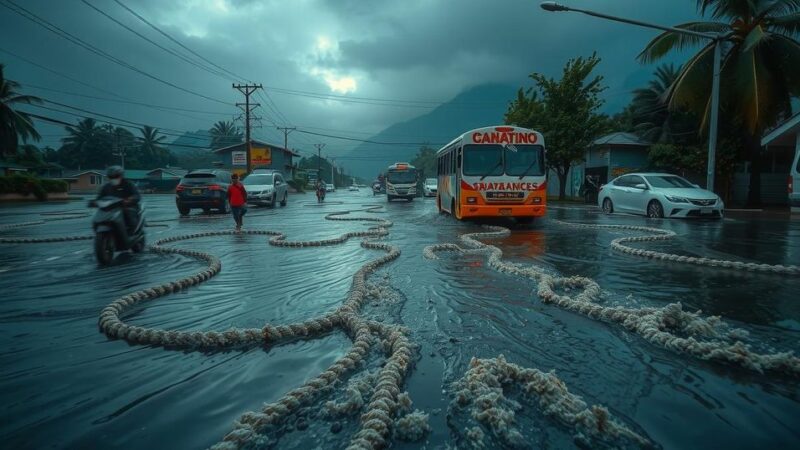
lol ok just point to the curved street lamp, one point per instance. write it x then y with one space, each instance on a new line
717 38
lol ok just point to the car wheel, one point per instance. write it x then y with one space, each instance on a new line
389 198
104 248
283 202
655 210
206 210
608 206
184 210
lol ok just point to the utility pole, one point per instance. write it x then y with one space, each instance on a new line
247 89
333 177
119 151
319 161
286 131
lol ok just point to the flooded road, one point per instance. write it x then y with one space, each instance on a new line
65 384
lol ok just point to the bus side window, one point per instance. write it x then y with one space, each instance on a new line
458 164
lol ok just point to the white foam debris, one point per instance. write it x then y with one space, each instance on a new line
483 390
412 427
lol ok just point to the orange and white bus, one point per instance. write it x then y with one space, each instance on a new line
492 172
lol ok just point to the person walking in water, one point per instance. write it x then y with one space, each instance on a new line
237 199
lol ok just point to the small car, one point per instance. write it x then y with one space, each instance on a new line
353 188
429 187
659 195
203 188
266 187
330 188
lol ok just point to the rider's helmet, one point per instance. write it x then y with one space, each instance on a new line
115 172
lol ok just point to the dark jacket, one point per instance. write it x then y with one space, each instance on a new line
125 190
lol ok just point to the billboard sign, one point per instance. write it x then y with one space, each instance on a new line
260 156
239 158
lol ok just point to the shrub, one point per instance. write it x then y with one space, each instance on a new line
25 185
297 184
55 185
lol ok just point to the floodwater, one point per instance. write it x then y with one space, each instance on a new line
63 384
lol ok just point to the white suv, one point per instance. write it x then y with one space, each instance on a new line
266 187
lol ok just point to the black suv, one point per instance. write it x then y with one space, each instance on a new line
203 188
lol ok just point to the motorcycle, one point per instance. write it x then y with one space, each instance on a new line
377 189
111 232
321 194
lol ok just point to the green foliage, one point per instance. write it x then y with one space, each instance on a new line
224 134
676 158
25 185
14 124
297 184
565 111
425 162
758 76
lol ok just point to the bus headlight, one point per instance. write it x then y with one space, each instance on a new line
472 200
537 200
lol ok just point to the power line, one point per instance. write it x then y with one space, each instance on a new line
367 141
91 48
171 52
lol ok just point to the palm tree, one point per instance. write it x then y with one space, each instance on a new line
651 115
79 141
225 133
759 72
151 151
14 124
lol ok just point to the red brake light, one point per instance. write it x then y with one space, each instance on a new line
791 184
214 187
180 188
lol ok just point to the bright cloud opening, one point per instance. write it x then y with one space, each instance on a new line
342 85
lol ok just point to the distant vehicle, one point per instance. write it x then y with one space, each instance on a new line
266 187
430 187
658 195
378 188
330 188
353 188
401 181
203 188
794 183
491 172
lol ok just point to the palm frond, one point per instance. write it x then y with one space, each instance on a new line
671 40
690 90
788 24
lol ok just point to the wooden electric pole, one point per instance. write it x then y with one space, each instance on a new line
247 89
286 131
319 161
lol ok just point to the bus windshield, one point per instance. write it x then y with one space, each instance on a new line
401 176
494 160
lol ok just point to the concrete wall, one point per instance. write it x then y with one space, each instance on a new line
87 182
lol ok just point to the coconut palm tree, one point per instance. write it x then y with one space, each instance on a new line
759 72
225 133
651 115
150 149
78 143
14 124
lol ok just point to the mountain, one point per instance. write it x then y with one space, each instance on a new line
193 149
480 106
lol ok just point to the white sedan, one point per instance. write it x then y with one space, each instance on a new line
430 186
659 195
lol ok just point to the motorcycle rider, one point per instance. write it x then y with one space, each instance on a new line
118 186
320 191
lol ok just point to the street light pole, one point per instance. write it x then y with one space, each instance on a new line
716 38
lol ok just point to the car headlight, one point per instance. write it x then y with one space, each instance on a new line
676 199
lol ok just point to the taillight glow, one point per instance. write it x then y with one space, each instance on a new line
791 184
214 187
180 188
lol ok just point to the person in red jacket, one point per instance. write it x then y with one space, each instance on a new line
237 199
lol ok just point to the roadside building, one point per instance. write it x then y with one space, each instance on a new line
10 168
780 165
608 157
84 181
263 155
164 179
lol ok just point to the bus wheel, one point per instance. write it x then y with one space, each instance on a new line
439 204
525 220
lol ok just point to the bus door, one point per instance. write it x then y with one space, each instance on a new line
457 177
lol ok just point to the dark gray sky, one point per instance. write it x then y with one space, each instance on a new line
410 50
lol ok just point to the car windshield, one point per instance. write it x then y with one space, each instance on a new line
254 180
668 181
200 175
401 176
483 160
430 181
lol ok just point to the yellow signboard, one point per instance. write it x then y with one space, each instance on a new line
260 156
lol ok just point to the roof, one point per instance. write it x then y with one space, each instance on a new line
136 174
255 142
171 170
12 165
77 173
783 134
621 138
